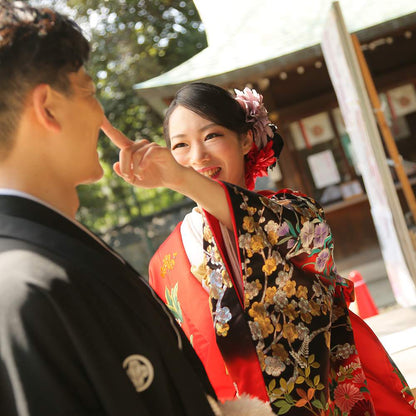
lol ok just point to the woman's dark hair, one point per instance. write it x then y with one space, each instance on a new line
210 102
215 104
36 46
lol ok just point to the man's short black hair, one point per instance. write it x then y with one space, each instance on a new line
37 46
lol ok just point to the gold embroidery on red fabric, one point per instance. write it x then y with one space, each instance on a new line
168 263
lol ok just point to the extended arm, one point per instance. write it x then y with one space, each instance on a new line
148 165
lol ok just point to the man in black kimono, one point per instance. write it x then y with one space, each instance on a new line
80 332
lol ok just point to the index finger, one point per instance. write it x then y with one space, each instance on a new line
115 135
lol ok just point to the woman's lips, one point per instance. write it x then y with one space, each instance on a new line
210 172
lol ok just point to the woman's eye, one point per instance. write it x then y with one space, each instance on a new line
178 145
211 136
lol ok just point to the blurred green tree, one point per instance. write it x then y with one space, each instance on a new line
131 40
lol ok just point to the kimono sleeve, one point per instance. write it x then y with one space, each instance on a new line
288 224
40 373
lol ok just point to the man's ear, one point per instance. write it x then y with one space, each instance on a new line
45 100
247 142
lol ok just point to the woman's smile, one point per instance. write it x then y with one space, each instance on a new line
212 173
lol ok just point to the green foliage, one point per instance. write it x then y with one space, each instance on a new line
131 41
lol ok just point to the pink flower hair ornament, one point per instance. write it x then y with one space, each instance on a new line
267 143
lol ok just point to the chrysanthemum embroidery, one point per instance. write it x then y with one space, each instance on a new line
168 263
346 395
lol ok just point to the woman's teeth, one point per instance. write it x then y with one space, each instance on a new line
211 172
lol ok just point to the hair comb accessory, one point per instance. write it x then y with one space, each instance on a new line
267 143
17 15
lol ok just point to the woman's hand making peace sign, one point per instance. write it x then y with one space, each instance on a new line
148 165
143 163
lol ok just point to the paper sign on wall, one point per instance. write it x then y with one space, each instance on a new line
312 130
323 169
317 128
402 100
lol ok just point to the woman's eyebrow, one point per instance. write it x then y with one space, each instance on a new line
178 136
203 128
206 127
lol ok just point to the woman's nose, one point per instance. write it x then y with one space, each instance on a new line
199 154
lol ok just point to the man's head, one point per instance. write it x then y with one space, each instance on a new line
36 46
49 116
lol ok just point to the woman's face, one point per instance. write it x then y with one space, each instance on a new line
208 148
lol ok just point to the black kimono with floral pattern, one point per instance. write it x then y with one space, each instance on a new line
294 307
286 336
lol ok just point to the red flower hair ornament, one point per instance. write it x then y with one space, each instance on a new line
267 143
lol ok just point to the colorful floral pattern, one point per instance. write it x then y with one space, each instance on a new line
298 320
218 282
292 330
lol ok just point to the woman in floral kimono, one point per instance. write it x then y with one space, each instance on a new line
250 276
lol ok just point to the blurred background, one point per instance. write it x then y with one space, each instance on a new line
144 50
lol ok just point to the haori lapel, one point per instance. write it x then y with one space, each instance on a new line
232 331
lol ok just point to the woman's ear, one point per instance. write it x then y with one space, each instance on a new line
247 142
44 100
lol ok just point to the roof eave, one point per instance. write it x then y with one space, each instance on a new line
154 95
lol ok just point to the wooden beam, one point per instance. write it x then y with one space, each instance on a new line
385 130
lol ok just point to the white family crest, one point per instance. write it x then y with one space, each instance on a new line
139 370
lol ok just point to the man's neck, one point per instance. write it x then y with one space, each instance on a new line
61 199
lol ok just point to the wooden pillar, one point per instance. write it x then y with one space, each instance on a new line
385 130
